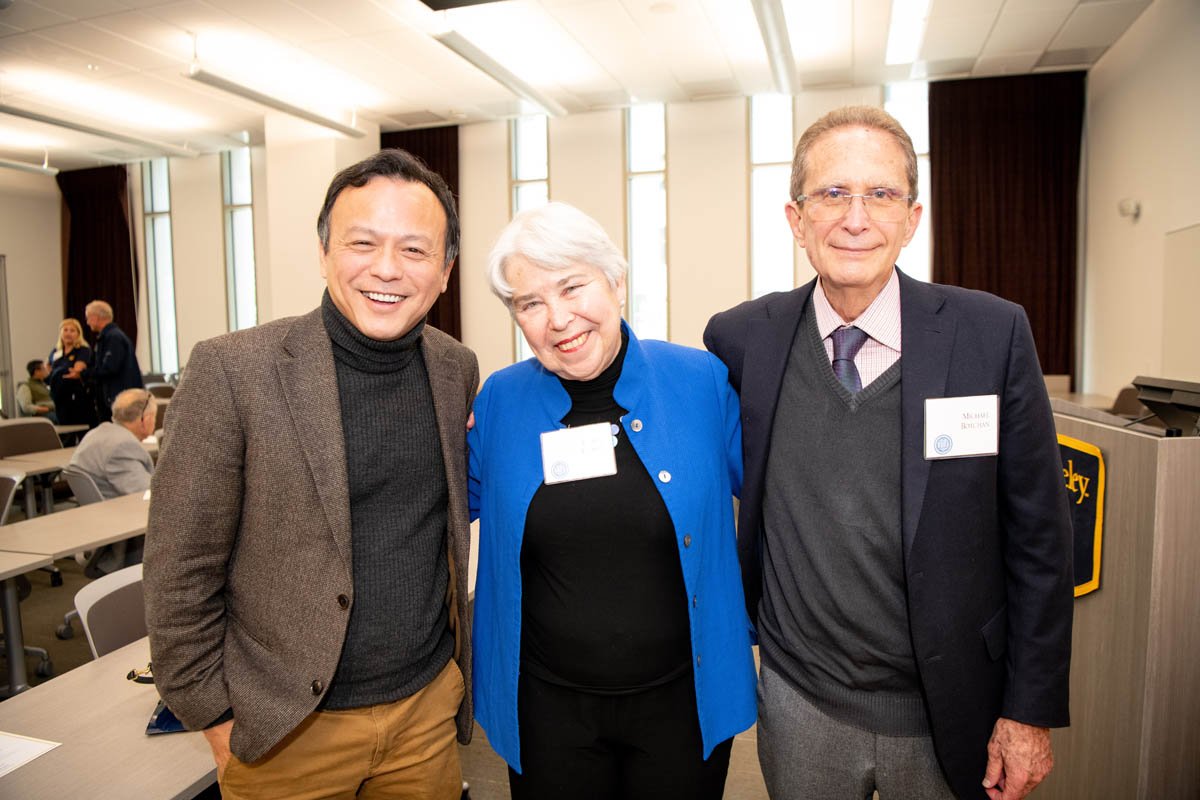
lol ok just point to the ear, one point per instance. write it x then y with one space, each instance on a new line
911 221
446 277
795 218
321 256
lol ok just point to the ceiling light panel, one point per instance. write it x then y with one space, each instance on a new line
97 99
821 33
621 49
683 36
741 41
504 32
284 20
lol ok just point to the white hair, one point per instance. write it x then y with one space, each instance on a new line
555 236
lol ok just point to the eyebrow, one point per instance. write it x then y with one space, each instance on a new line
360 230
560 282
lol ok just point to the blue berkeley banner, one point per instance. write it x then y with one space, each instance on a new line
1083 474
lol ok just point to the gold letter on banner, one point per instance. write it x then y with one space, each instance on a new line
1083 475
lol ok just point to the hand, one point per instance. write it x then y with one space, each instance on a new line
471 421
42 409
218 740
1019 758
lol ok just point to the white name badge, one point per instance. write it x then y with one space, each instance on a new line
962 426
575 454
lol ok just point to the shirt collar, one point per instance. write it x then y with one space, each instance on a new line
881 320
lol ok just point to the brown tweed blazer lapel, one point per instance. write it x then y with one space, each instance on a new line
309 380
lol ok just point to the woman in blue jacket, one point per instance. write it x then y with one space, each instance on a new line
612 646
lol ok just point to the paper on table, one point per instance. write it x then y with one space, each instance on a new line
17 750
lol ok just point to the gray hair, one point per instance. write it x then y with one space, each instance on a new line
555 236
100 308
852 117
131 405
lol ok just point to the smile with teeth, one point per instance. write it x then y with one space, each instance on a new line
383 298
573 344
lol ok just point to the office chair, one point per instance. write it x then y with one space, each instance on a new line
163 390
112 609
8 489
32 435
86 492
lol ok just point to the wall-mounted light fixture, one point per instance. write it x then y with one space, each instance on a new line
1128 207
197 73
41 169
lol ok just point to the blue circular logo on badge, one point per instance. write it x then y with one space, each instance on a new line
559 469
942 444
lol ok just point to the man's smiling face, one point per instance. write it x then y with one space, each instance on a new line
385 264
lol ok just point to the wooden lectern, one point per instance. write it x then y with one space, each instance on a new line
1135 666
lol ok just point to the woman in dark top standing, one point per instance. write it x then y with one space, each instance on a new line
68 360
612 646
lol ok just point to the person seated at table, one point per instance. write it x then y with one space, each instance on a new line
73 404
33 395
113 457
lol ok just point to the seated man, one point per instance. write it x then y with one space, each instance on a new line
113 456
33 395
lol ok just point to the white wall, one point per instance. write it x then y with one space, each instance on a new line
198 239
31 242
483 210
1143 130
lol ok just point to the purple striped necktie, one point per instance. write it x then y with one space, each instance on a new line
846 344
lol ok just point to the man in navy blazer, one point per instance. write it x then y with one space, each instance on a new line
903 532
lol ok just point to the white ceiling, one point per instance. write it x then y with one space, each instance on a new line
119 65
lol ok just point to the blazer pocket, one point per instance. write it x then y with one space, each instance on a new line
995 633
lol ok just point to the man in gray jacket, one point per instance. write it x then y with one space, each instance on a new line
306 557
112 454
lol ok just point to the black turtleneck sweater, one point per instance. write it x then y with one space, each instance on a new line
398 638
603 603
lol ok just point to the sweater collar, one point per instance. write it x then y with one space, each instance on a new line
353 348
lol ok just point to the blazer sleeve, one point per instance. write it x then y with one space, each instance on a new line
195 512
111 360
1038 549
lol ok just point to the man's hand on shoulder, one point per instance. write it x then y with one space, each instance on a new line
1019 758
218 740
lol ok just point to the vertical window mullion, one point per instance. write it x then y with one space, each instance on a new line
240 284
160 275
646 219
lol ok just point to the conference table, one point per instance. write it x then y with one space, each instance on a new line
47 462
36 542
12 565
100 718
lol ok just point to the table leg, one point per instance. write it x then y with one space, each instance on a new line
14 639
31 497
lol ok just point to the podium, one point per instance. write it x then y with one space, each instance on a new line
1135 665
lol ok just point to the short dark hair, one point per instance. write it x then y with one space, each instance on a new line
400 165
34 365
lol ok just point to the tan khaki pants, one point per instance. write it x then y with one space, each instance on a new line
406 749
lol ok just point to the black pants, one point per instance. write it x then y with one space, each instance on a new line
614 747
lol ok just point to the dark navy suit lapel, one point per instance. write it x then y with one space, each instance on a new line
926 341
768 343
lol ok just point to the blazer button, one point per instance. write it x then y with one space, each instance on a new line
317 687
343 601
687 540
697 661
636 425
695 600
663 476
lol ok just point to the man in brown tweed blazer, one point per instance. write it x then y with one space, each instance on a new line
306 557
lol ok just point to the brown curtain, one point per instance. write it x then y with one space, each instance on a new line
1004 162
99 246
438 148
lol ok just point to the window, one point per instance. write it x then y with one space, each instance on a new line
646 213
530 184
772 248
909 103
239 239
160 268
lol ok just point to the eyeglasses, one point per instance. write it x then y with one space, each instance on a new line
881 205
145 405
